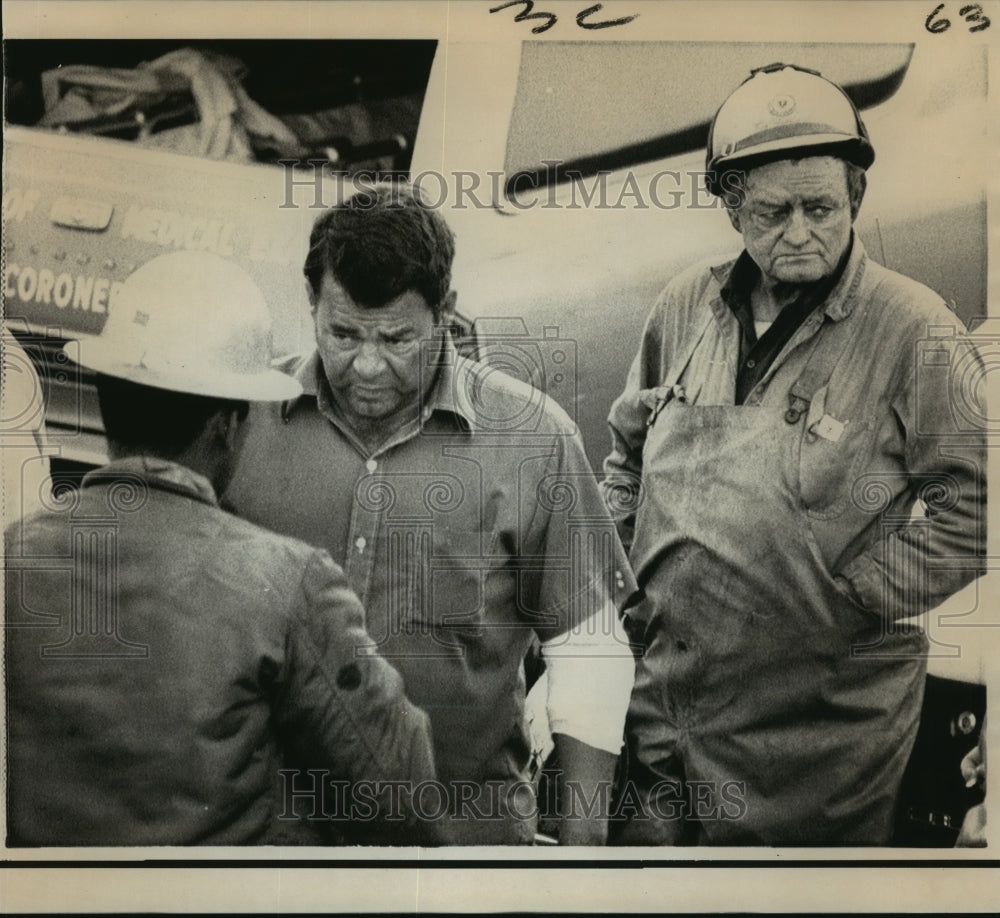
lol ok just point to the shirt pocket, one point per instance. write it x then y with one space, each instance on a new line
835 449
445 592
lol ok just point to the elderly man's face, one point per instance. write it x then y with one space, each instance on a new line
796 219
372 357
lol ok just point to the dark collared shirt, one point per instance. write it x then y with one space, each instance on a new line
757 354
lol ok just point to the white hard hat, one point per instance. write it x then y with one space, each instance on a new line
190 322
782 108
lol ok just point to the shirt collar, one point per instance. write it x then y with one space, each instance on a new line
459 380
155 472
736 278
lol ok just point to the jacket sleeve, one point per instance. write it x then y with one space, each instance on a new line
343 710
622 482
932 539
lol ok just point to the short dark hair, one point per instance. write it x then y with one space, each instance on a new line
734 183
381 243
143 420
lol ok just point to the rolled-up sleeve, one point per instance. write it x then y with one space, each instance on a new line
587 653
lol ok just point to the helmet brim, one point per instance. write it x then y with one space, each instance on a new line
267 386
852 150
849 148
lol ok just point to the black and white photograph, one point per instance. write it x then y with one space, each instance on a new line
467 455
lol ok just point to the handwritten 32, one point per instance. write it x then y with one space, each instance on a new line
584 19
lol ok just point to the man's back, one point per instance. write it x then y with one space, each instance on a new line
160 652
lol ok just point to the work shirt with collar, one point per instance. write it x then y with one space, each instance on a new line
779 541
470 530
897 413
173 672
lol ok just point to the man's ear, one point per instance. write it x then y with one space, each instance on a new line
227 424
310 296
734 218
448 308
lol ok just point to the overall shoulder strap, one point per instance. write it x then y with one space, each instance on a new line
656 399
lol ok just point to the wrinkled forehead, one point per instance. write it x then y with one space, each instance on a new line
407 309
808 178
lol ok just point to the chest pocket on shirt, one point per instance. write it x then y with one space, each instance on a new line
835 449
438 578
419 541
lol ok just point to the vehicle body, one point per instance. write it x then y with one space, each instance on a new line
554 279
568 257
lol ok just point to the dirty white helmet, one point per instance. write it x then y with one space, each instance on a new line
782 108
190 322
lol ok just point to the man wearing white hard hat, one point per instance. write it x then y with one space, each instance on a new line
166 661
801 493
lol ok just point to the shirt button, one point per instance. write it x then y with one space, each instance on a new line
349 677
360 543
619 578
751 364
371 465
